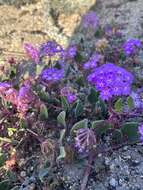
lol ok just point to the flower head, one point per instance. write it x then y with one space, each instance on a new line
131 46
52 75
111 80
69 53
50 48
69 93
8 93
32 52
4 86
24 99
11 95
85 139
90 20
92 62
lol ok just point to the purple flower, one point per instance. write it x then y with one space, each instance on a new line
92 62
90 20
8 93
137 99
85 139
11 96
50 48
69 93
141 132
111 80
131 46
71 98
52 75
32 52
111 30
69 53
25 95
4 86
25 98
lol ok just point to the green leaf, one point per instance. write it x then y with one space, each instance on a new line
97 123
130 102
62 153
130 130
43 112
80 80
101 127
119 105
117 136
5 185
62 134
61 118
23 123
81 124
65 104
101 107
44 96
93 96
78 109
79 57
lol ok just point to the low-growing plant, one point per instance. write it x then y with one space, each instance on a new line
91 102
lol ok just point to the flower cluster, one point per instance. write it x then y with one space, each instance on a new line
50 48
8 93
4 86
137 100
69 53
131 46
141 132
69 93
32 52
90 20
25 98
111 80
22 99
51 75
85 139
92 62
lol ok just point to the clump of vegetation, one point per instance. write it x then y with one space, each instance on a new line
68 105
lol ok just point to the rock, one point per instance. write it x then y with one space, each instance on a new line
63 17
17 2
23 174
113 182
126 13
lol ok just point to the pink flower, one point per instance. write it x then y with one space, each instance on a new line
32 52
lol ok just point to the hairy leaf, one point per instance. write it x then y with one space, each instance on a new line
81 124
78 109
61 118
130 130
119 105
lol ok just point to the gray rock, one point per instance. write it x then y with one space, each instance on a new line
127 13
17 2
113 182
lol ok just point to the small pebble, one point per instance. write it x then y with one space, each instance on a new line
23 174
31 186
113 182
